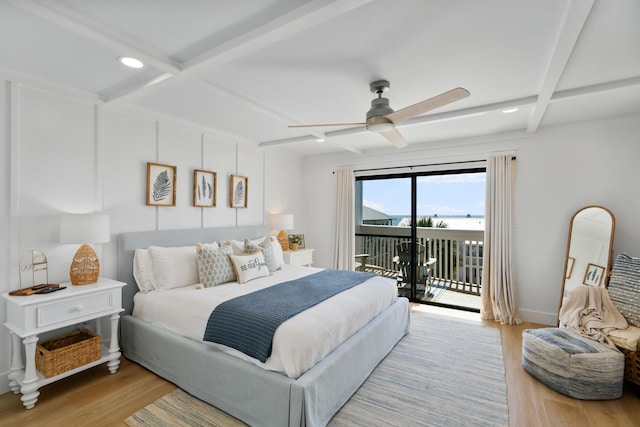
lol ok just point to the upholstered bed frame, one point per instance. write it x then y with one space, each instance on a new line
254 395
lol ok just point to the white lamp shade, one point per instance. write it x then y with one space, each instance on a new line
78 229
281 222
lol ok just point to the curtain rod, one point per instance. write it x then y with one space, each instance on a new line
419 166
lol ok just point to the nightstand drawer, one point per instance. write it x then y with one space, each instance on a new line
75 307
302 258
299 257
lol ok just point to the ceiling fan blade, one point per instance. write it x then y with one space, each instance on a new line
395 138
427 105
327 124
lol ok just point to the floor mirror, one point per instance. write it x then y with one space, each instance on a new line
589 248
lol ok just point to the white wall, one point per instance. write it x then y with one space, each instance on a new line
64 154
60 153
559 170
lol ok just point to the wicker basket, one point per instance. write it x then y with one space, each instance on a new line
631 366
67 352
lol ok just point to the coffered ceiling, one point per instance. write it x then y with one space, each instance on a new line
245 70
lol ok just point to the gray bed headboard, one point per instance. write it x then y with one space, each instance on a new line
129 242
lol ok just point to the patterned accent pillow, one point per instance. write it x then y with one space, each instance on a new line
238 245
249 266
214 265
266 247
624 287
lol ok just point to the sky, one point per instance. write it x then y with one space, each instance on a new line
441 195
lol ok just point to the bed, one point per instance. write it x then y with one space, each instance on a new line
257 396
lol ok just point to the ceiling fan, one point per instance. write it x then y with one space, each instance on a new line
381 118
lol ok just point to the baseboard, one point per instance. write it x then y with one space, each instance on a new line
548 319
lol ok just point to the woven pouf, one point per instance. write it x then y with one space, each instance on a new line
573 365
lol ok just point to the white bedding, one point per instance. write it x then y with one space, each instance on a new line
299 343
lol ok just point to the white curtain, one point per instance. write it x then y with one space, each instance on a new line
499 299
344 239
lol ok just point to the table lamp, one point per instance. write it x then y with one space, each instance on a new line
83 229
282 222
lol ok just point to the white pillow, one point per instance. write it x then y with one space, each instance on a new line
277 251
266 247
174 267
143 270
249 266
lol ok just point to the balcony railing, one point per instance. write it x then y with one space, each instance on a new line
458 253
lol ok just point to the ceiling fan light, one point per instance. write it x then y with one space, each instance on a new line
380 127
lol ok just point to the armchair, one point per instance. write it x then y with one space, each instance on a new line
361 262
421 269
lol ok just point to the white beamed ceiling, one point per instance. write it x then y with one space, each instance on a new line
244 70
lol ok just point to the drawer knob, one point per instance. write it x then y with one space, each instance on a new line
76 308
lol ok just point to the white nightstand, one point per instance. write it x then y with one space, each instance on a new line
29 316
299 257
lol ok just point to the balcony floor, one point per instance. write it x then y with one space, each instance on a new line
442 294
460 299
448 296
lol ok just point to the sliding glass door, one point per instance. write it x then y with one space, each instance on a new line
424 230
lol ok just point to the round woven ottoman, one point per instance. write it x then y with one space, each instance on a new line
572 364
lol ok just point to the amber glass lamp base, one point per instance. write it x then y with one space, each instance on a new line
284 240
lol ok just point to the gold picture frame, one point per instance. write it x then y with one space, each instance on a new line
593 275
161 184
205 184
238 191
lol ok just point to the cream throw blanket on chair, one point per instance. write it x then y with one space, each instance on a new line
588 310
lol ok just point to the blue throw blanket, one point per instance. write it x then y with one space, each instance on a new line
247 323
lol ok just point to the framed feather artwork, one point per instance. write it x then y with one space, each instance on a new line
204 188
238 193
161 184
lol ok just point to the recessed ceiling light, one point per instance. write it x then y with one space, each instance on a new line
510 110
320 140
131 62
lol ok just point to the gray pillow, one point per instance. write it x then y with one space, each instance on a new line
624 287
214 265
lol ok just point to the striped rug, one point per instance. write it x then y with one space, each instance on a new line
443 373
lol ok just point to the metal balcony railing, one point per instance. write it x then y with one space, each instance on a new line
458 253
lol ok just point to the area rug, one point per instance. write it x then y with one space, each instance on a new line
443 373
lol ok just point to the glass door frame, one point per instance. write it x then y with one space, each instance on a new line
413 176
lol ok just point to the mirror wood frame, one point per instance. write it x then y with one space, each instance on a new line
605 279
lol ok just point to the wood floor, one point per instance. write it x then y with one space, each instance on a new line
97 398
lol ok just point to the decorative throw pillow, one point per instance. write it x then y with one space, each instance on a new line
174 267
624 287
143 270
238 245
214 266
267 250
249 266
